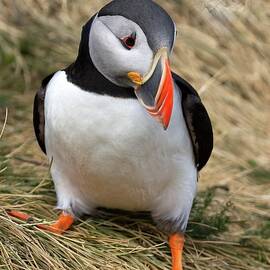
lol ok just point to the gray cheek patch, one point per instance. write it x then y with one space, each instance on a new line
108 54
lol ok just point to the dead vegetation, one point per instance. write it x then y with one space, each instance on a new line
223 50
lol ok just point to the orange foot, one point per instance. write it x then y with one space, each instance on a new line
63 223
176 242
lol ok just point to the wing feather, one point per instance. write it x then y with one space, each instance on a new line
39 114
198 122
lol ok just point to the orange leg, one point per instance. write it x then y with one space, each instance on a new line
176 242
63 223
19 215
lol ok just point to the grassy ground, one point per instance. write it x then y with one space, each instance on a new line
223 50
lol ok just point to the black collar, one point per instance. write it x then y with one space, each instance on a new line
84 74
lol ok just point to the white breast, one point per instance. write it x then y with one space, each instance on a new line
109 152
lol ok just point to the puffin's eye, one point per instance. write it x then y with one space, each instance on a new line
129 41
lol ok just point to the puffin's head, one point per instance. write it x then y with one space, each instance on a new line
130 43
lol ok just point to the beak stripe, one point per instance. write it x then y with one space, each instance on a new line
164 104
155 91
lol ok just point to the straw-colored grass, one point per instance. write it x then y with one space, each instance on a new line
223 49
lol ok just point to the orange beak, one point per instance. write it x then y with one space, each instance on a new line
155 92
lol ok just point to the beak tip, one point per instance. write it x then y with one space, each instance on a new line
165 127
162 100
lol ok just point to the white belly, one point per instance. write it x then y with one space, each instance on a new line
109 152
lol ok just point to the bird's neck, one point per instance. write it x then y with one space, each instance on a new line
84 74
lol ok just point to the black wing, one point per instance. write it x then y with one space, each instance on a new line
38 113
198 122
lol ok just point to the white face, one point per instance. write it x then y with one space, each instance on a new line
111 56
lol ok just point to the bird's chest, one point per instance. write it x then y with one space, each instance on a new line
110 148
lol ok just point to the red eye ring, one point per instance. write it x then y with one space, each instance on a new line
129 41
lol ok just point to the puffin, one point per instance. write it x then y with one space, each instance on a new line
120 129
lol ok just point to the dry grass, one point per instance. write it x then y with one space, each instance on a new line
223 49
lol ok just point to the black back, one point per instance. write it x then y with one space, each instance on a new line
39 114
198 122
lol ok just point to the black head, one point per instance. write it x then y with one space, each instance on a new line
155 22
